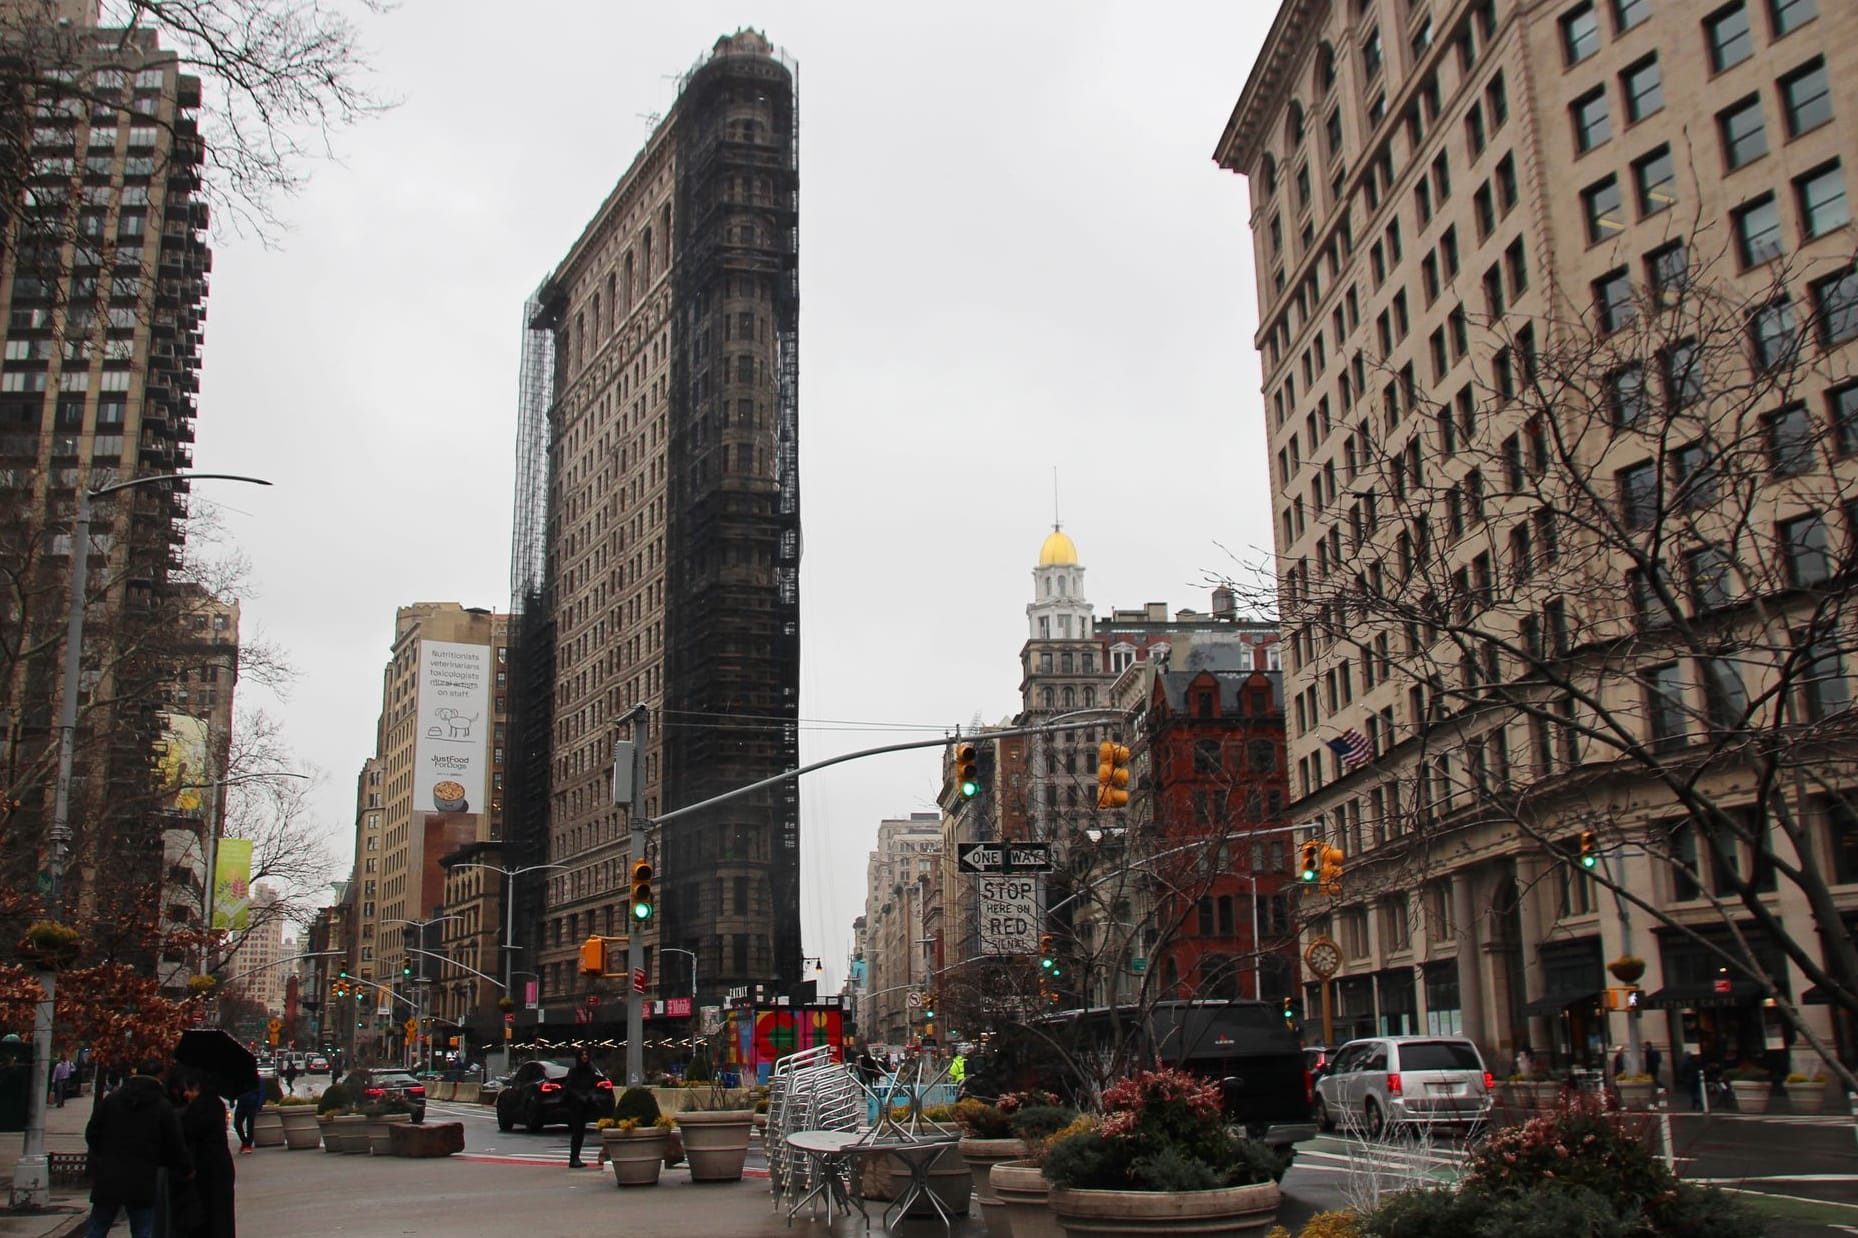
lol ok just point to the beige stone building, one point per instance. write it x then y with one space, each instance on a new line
433 786
898 880
1536 281
256 958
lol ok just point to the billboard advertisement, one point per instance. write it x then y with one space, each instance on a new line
449 761
181 764
232 884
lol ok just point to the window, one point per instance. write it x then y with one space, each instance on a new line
1516 267
1580 33
1603 208
1835 303
1790 440
1807 547
1629 13
1664 707
1725 699
1612 294
1824 690
1668 268
1789 15
1592 126
1505 177
1497 100
1485 209
1626 395
1371 53
1821 194
1683 374
1807 98
1638 494
1474 135
1648 595
1729 37
1711 585
1775 335
1644 87
1844 413
1744 137
1656 178
1758 231
1842 824
1693 478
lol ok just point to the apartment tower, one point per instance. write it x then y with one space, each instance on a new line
103 276
658 541
1555 307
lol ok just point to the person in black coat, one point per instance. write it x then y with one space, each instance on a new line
203 1126
133 1134
579 1084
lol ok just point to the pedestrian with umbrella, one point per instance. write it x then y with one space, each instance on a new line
203 1125
230 1069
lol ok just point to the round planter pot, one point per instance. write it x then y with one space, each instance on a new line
268 1127
326 1129
948 1178
1116 1214
716 1142
982 1155
379 1140
1808 1097
349 1131
1022 1189
637 1156
1635 1095
301 1130
1751 1097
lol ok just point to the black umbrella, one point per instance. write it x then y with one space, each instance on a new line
232 1067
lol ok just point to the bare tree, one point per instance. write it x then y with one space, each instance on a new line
1614 583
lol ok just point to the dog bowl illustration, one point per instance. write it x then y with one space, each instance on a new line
449 796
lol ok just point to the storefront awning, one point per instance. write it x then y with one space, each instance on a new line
1701 996
1553 1004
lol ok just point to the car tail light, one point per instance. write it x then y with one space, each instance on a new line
1393 1083
605 1085
551 1087
373 1093
416 1091
1490 1081
1309 1087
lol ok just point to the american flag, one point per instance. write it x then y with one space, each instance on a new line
1353 747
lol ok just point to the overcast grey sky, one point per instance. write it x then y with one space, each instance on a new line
1016 256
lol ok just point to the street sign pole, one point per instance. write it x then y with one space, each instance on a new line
635 936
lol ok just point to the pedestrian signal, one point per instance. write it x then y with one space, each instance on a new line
593 957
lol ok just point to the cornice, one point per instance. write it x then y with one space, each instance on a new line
1297 24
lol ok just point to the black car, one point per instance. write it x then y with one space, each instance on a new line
535 1097
371 1087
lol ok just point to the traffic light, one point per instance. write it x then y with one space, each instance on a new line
967 771
929 1007
1589 856
1311 867
343 974
1290 1014
593 957
1048 956
406 968
643 903
1331 873
1112 775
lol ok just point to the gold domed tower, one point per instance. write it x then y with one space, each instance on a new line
1058 614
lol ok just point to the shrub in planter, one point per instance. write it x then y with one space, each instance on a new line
980 1120
1163 1132
335 1099
638 1105
1323 1225
1037 1123
1748 1072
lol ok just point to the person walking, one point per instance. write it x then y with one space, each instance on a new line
203 1126
579 1083
244 1113
133 1135
61 1079
290 1076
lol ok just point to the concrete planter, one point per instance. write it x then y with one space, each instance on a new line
1811 1097
348 1132
1751 1096
268 1128
1022 1190
948 1178
301 1130
1232 1210
716 1142
424 1140
1635 1095
982 1155
637 1156
377 1131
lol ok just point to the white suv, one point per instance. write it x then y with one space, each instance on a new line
1391 1080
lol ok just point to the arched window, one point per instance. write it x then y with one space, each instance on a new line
1267 173
1325 68
1070 698
1293 127
1090 697
1046 697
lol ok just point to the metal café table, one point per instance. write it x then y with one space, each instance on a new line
828 1154
918 1156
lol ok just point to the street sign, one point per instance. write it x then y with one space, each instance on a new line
411 1026
1008 857
979 857
638 980
1009 915
914 1001
275 1026
1138 965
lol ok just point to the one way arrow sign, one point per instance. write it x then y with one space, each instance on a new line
979 857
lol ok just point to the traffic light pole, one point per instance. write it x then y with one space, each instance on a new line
635 936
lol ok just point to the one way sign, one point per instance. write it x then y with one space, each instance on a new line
1003 857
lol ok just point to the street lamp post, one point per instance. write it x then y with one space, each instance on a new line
32 1178
693 973
425 984
210 849
509 911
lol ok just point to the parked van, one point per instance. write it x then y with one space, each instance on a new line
1388 1081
